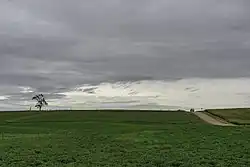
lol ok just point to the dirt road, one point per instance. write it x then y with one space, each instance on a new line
212 120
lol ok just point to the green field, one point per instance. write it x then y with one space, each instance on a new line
235 116
146 139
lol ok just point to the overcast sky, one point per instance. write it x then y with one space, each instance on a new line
54 46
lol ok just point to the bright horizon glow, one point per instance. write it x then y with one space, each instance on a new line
180 94
150 94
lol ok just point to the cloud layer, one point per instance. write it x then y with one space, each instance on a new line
56 46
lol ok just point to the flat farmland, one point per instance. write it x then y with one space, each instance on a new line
235 116
92 138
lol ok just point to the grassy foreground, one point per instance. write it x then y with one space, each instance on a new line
130 139
235 116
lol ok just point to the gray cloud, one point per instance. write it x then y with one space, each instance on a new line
56 45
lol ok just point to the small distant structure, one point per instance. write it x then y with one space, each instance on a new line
192 110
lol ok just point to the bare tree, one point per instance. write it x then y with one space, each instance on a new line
40 101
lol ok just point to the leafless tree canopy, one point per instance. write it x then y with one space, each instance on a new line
40 101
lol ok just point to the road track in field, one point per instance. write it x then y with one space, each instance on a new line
212 120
